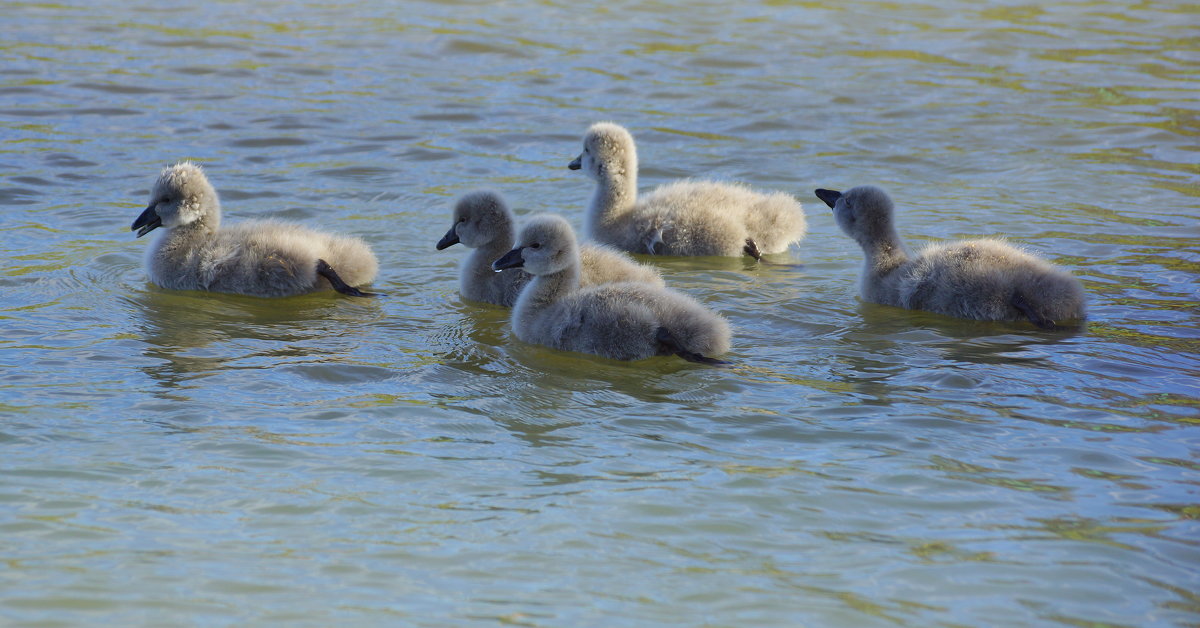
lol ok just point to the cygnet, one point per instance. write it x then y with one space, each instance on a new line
681 218
259 258
483 222
982 279
623 321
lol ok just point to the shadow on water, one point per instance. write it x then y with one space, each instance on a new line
535 393
470 336
892 356
472 372
959 340
190 332
675 264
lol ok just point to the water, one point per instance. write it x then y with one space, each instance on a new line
172 458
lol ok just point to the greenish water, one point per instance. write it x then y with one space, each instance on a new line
184 458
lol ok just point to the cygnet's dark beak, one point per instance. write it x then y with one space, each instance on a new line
450 239
576 164
829 196
147 222
511 259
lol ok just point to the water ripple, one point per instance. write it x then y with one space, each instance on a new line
857 465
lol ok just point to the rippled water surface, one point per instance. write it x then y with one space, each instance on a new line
177 457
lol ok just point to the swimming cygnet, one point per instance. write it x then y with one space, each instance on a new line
980 279
260 258
483 221
624 321
681 218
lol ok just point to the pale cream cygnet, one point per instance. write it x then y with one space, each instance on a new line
259 258
681 218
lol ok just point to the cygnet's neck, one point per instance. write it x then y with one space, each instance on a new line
481 258
544 290
885 253
193 231
615 195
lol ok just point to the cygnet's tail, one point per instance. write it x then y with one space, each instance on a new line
664 336
775 221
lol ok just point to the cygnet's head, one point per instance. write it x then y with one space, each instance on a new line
479 218
864 212
608 151
181 196
546 246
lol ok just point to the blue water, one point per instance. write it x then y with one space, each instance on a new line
186 458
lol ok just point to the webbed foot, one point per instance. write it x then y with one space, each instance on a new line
1018 301
326 271
751 249
655 244
663 335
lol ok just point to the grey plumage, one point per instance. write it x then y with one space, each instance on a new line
483 222
624 321
681 218
984 279
260 258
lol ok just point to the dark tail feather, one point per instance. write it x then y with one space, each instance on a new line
664 336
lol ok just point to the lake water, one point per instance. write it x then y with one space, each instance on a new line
185 458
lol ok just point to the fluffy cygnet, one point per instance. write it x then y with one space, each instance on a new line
260 258
681 218
624 321
483 221
980 279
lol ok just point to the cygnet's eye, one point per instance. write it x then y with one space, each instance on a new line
463 219
535 245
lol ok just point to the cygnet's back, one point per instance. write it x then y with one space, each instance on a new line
983 279
623 321
681 218
483 222
259 258
605 264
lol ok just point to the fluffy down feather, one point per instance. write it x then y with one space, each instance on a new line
483 222
682 218
983 279
623 321
260 258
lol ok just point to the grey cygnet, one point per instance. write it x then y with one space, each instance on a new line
984 279
623 321
483 222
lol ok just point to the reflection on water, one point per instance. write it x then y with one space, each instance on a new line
322 460
180 329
